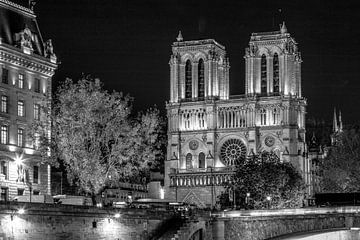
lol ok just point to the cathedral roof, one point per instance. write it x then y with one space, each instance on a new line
197 43
17 20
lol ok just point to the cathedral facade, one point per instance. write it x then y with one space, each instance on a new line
209 131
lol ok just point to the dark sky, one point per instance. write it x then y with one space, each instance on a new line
128 43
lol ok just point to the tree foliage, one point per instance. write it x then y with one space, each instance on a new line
98 140
339 170
264 175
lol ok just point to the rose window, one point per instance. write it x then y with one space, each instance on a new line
232 152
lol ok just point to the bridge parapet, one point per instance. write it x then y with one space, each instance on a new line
266 224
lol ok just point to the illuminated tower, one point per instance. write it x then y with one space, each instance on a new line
209 132
27 64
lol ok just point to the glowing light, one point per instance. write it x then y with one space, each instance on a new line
268 198
117 215
18 159
162 193
21 211
29 151
12 148
99 205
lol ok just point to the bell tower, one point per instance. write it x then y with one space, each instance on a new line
198 70
273 64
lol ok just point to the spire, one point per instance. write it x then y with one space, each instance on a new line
340 123
313 138
335 126
283 28
179 37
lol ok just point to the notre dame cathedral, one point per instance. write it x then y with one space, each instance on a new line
210 131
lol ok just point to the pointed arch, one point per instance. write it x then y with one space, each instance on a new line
276 73
201 79
263 80
188 79
189 161
201 160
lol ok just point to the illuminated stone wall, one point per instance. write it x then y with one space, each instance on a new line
43 222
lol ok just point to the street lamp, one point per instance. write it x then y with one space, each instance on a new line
247 200
268 198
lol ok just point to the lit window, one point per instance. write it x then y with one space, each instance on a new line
263 74
4 169
4 194
36 174
36 140
276 73
20 137
36 111
4 104
21 81
5 76
21 110
263 117
201 82
37 85
188 80
4 134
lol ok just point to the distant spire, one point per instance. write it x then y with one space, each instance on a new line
179 37
340 123
335 126
313 138
283 28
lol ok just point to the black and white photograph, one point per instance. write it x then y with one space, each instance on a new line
179 120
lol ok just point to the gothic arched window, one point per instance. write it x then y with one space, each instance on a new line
201 79
188 161
263 117
263 74
276 116
276 73
201 160
188 80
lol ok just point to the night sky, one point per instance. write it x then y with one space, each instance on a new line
127 44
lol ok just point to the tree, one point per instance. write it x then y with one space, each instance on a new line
97 139
269 182
339 170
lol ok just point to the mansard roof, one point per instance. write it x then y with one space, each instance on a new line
14 19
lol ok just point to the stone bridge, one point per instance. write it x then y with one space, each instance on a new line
46 221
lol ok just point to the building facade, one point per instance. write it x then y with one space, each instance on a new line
209 131
27 64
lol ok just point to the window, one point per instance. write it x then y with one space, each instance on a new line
201 160
4 165
263 117
5 76
37 85
21 110
4 194
21 80
201 82
188 80
276 73
36 140
263 74
20 137
36 174
36 192
4 134
188 161
276 116
20 191
4 104
36 111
